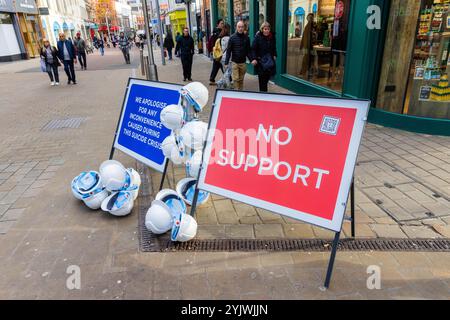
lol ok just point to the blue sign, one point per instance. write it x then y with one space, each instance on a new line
140 132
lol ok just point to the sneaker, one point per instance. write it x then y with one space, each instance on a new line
184 79
68 81
52 83
190 79
57 83
74 82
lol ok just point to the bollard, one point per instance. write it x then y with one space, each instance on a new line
141 52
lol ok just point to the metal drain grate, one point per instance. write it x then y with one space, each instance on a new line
148 242
72 123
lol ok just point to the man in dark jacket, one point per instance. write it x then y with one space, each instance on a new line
66 53
124 45
217 65
186 53
169 44
238 50
80 46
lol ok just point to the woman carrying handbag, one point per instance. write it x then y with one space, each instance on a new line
50 62
264 53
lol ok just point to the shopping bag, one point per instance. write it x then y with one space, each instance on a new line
43 66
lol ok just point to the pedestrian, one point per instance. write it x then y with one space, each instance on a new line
158 40
217 65
264 53
169 44
186 54
66 53
306 46
177 46
101 46
238 50
80 46
50 55
298 30
125 47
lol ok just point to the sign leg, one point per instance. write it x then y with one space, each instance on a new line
161 185
352 201
111 154
194 202
332 258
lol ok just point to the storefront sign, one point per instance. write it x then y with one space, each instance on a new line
26 6
7 6
425 93
140 132
44 11
288 154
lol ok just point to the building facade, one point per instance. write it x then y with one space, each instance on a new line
395 53
66 16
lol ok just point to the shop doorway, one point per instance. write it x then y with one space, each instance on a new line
30 32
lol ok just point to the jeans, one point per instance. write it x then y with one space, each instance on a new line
70 70
82 59
186 60
169 52
239 70
263 79
52 70
126 54
102 51
217 65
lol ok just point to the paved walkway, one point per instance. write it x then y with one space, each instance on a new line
44 231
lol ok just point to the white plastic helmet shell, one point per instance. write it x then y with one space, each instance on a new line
119 203
113 175
194 163
167 145
159 218
85 183
176 157
172 117
196 94
186 190
184 228
172 200
135 182
95 201
193 134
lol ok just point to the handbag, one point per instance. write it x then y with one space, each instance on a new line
267 62
43 65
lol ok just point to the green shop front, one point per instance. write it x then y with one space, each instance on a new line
393 52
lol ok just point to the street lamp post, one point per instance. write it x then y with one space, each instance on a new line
152 73
158 15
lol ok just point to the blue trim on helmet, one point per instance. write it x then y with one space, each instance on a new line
191 100
175 228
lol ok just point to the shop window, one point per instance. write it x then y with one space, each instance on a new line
241 12
223 10
5 18
418 46
317 41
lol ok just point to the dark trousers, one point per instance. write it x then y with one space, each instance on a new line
70 70
217 65
52 70
82 59
263 79
169 52
186 61
126 55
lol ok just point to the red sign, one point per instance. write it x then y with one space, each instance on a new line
339 11
289 154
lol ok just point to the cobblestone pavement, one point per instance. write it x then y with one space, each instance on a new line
44 231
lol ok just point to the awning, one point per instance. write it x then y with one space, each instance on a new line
65 26
299 11
289 13
314 8
56 26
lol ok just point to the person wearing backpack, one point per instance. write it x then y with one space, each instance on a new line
217 65
264 54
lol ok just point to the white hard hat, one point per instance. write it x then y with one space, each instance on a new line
177 157
158 218
168 144
196 94
186 190
184 228
172 117
119 203
172 200
194 163
135 182
114 175
193 134
95 200
86 182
